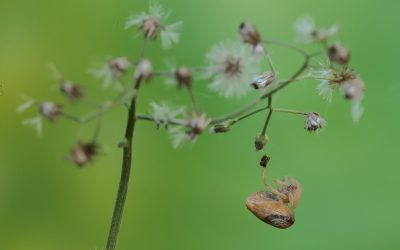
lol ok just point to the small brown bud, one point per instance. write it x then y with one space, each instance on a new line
222 127
260 141
183 75
70 90
249 34
50 110
83 153
264 161
339 54
264 80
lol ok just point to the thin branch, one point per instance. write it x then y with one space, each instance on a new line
287 45
150 118
291 111
271 110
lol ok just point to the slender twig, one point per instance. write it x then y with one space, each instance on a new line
269 59
271 110
291 111
101 109
150 118
236 113
287 45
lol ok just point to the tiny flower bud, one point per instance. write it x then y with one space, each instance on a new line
264 161
249 34
222 127
353 89
260 141
72 91
183 75
50 110
144 69
263 80
197 124
83 153
314 121
339 54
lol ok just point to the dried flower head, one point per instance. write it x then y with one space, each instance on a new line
250 34
232 65
184 78
307 31
144 69
260 141
163 113
193 126
339 54
264 80
72 91
314 122
153 23
197 124
50 110
111 71
83 153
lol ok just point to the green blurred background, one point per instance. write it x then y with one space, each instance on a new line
193 198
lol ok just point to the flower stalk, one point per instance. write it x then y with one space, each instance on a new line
126 171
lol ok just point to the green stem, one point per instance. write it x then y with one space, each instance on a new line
271 110
237 113
291 111
125 173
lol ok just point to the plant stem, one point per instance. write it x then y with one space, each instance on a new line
287 45
291 111
271 110
125 173
237 113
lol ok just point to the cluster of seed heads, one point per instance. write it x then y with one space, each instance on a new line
233 70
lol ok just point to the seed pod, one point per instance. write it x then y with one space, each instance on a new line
249 34
270 209
339 54
264 80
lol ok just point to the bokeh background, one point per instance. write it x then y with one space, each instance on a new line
194 198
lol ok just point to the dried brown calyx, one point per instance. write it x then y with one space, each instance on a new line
83 153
